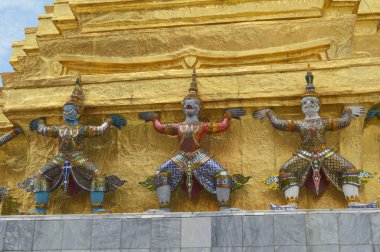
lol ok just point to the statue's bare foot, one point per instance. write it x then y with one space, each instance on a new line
373 204
161 210
284 207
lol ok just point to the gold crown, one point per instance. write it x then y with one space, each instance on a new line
76 97
193 90
310 89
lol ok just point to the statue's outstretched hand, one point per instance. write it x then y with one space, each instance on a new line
260 114
147 116
33 125
19 130
356 110
236 113
118 121
372 113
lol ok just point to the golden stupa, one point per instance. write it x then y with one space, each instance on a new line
138 56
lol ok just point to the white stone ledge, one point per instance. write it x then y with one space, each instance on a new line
186 214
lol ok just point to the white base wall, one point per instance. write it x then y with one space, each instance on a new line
262 231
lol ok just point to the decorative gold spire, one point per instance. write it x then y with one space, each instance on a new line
194 83
310 89
193 90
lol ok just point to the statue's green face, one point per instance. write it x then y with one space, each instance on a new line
191 107
70 113
310 105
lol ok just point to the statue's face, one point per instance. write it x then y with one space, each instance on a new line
70 113
191 107
310 105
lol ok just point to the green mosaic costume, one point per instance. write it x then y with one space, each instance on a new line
314 156
85 174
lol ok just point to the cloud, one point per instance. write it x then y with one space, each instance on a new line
16 15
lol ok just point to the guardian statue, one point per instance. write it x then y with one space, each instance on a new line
71 168
315 164
192 167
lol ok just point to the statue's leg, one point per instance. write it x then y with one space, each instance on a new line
168 177
345 177
223 196
98 188
351 193
290 182
163 194
223 189
41 189
292 195
215 179
41 195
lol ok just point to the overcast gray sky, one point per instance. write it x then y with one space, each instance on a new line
16 15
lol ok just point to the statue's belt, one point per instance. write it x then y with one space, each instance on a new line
195 159
309 156
76 158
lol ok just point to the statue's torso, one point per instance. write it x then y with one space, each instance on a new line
190 136
312 134
71 139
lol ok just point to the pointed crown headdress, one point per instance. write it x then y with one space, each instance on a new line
76 97
193 90
310 89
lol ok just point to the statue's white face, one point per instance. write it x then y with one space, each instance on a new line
191 107
310 106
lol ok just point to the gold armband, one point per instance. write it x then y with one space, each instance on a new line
228 114
154 116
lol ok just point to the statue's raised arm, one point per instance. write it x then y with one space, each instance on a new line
285 125
344 121
3 140
40 126
223 125
10 135
162 128
111 120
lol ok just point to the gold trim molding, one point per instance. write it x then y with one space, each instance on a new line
192 57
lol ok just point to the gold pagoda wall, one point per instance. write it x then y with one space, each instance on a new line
138 56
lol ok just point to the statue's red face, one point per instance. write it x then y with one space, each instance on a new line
191 107
310 106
